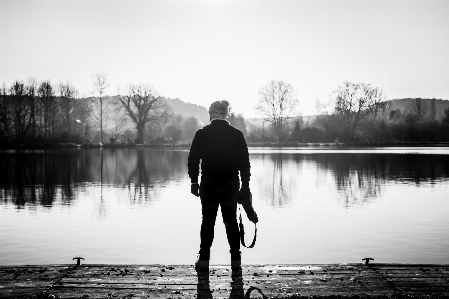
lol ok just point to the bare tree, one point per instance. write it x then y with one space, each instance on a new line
100 105
67 104
21 109
143 105
31 92
47 100
4 113
417 108
277 104
119 120
354 102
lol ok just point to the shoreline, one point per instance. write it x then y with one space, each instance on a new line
250 144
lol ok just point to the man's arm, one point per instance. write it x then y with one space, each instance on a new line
243 159
193 163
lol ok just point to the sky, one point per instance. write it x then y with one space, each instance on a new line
204 51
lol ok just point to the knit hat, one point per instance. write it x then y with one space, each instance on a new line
219 109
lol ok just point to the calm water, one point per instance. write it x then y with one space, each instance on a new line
315 206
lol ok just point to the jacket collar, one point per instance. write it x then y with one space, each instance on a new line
219 120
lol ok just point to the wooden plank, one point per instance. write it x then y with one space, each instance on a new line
183 281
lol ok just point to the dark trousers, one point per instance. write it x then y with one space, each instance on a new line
223 195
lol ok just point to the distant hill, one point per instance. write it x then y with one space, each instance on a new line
440 105
187 110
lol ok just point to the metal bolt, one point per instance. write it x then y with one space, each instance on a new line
367 259
78 262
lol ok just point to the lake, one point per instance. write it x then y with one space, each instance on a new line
315 205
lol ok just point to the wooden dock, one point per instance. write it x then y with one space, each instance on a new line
257 281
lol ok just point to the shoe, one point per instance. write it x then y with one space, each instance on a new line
201 265
236 264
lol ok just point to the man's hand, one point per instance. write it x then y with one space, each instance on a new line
244 191
195 189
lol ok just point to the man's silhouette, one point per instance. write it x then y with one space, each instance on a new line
223 153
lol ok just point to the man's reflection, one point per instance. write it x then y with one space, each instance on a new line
237 285
203 286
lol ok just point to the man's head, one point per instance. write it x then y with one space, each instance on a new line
219 109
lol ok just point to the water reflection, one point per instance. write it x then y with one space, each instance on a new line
276 179
111 206
45 177
37 179
358 178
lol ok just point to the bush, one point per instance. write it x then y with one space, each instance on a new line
312 134
64 137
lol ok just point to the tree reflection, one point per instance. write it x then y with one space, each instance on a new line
358 178
49 178
275 183
154 169
141 179
56 177
35 178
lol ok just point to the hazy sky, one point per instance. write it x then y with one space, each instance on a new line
201 51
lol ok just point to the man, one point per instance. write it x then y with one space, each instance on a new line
223 153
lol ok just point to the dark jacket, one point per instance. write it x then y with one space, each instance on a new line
223 153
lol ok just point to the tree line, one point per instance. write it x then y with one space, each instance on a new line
359 112
35 112
44 113
39 111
